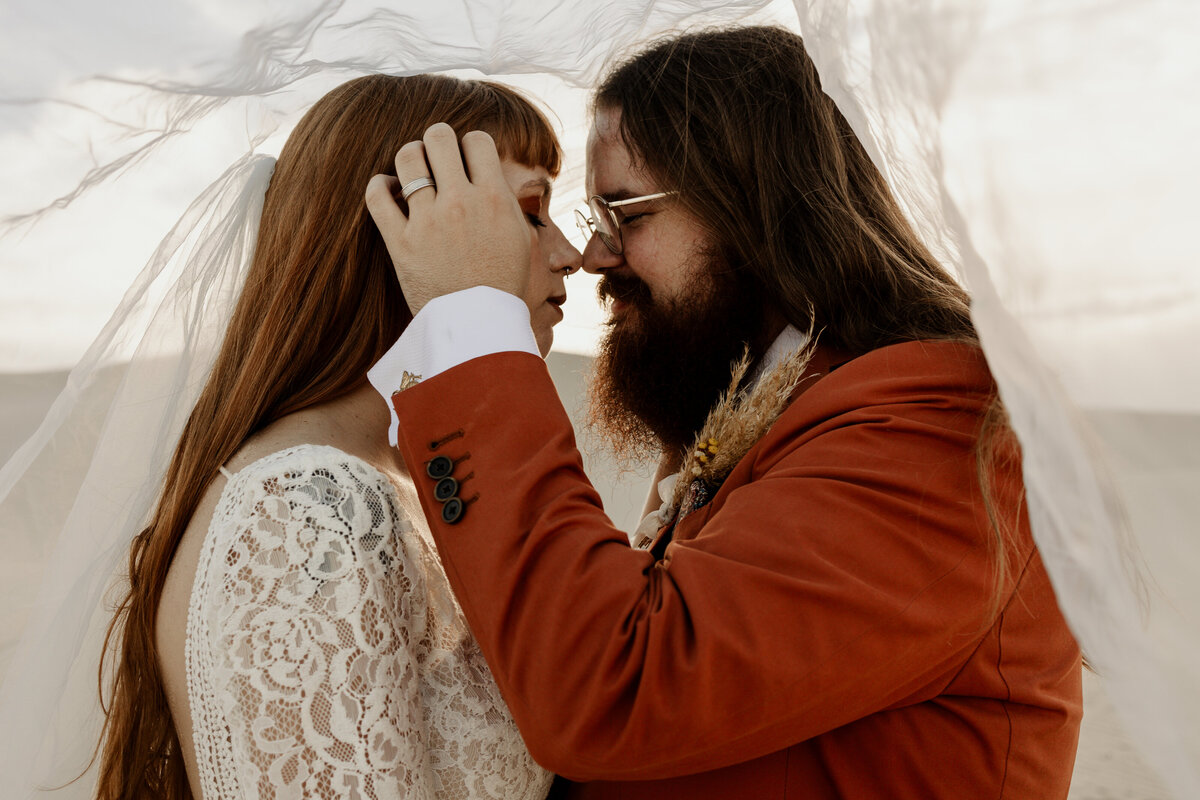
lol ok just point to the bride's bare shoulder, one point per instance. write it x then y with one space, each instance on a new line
355 424
308 427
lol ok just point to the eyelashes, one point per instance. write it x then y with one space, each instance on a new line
535 220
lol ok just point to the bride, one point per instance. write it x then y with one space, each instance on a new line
288 631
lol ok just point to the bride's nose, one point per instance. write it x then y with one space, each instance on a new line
564 258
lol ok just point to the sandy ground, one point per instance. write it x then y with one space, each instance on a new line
1108 765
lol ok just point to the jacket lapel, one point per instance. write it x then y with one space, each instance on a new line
696 514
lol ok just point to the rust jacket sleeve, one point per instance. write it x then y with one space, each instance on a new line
841 570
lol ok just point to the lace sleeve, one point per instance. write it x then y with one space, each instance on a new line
301 662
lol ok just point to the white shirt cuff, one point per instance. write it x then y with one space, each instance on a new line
451 330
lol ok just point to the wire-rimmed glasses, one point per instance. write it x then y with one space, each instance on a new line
604 222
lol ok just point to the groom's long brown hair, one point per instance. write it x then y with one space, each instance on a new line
321 304
735 121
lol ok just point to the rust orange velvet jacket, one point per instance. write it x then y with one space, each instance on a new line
819 629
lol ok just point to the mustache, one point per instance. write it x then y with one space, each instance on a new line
625 288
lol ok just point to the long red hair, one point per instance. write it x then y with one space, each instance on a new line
321 304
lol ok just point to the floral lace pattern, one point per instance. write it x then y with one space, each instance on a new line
326 655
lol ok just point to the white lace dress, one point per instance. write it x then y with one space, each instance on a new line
326 655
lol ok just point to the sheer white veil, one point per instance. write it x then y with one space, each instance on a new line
1044 148
92 471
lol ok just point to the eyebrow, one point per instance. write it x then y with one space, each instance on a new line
621 194
538 183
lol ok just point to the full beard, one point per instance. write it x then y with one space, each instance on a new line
663 365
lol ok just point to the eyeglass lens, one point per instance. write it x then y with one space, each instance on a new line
585 225
607 227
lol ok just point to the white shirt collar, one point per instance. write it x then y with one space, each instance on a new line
789 340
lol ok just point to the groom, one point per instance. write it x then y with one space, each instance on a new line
841 597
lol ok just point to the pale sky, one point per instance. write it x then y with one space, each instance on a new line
1079 205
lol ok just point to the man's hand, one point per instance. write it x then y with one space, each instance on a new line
461 233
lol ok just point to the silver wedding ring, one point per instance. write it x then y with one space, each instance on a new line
413 186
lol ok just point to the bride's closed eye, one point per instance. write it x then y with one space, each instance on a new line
532 207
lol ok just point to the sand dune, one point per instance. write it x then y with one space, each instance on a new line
1151 454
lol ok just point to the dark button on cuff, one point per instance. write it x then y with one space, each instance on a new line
445 489
453 510
439 468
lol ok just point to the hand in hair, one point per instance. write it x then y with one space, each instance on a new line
466 231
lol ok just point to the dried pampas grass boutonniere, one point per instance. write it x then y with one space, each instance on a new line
739 419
